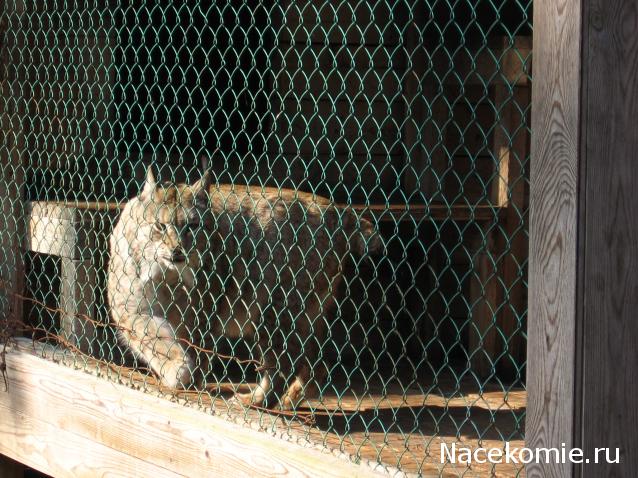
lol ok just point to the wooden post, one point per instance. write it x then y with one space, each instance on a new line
498 286
485 297
77 300
582 361
552 348
75 234
511 145
426 114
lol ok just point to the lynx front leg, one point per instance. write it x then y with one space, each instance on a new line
152 339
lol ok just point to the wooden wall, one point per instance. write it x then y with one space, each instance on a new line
379 101
337 99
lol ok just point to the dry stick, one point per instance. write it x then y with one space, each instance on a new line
49 335
125 329
3 362
306 416
5 337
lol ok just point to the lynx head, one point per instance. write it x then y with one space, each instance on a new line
171 213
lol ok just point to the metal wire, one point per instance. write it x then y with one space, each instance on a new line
411 115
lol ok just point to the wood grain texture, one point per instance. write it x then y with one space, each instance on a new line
609 294
553 223
62 454
53 415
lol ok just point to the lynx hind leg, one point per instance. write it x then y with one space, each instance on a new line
270 387
153 340
309 370
309 376
298 389
273 362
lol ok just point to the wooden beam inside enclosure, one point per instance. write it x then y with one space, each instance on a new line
67 423
582 355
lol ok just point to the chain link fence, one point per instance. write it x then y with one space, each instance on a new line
365 293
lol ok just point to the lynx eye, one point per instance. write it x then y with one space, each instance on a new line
188 228
159 227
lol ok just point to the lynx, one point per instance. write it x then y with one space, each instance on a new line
192 263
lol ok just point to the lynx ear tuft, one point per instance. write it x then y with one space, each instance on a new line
149 184
204 183
204 162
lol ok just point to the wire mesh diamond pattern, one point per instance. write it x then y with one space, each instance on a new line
307 215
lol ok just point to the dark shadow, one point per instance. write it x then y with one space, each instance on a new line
466 422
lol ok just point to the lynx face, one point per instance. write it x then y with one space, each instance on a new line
171 228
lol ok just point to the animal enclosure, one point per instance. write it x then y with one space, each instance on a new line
410 118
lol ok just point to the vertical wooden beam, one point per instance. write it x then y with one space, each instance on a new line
77 300
515 243
423 149
486 296
498 285
607 362
511 147
583 278
553 230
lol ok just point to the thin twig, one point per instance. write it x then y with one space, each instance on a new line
307 417
132 332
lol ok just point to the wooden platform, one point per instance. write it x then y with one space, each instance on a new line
404 430
392 430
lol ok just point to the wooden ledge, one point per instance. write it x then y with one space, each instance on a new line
434 212
68 423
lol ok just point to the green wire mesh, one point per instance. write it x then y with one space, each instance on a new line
414 114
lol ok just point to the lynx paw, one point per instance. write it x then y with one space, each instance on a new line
176 375
293 397
250 399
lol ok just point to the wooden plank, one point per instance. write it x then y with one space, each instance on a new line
146 429
358 178
77 299
435 212
101 214
341 57
511 143
486 295
321 22
367 84
73 232
60 453
10 468
609 230
553 222
336 126
487 64
60 229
